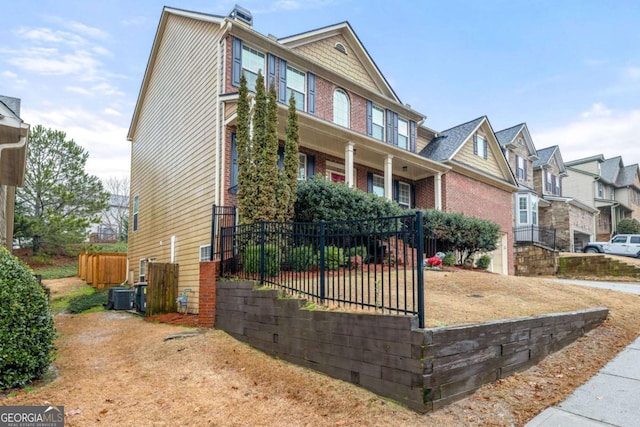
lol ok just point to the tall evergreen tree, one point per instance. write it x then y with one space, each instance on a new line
258 142
246 185
291 162
269 167
59 199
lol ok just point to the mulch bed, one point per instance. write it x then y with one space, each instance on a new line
192 320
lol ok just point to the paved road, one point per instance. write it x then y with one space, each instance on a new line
614 286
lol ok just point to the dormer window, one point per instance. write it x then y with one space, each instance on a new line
521 168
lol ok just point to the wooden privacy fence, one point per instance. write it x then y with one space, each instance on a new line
162 288
102 270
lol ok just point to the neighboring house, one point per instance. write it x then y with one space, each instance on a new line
607 185
572 220
353 129
112 221
520 152
480 182
14 135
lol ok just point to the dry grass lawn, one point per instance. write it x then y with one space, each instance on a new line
117 370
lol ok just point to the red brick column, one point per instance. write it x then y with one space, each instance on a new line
207 299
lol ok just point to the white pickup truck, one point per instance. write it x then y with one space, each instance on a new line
622 244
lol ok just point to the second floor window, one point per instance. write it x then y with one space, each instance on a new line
403 134
549 182
252 62
521 168
296 86
377 123
600 190
341 108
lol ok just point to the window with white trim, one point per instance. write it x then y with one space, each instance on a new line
480 146
600 190
549 181
523 208
252 62
135 212
377 123
341 108
404 195
556 189
403 134
144 263
378 185
520 168
205 252
302 166
296 85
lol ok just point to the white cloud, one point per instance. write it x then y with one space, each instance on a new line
633 72
47 35
49 61
99 134
78 90
597 131
9 75
134 20
111 112
88 31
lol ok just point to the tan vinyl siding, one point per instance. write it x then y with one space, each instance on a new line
579 186
324 52
489 165
173 156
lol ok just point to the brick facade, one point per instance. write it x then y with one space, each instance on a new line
477 199
209 271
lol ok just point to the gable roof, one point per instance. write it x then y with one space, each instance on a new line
506 136
596 158
627 176
546 154
448 142
610 168
345 30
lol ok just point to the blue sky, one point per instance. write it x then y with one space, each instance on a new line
570 69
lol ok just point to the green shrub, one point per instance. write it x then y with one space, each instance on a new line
271 259
483 262
358 250
303 258
333 258
26 325
322 200
81 303
628 226
449 259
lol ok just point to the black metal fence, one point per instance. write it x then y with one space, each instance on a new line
373 264
221 217
534 234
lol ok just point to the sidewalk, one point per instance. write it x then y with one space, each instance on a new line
610 398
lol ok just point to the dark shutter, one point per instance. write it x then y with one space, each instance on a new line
236 66
524 162
413 196
370 182
389 127
395 129
475 144
311 166
485 144
312 93
271 70
412 136
282 82
396 190
369 118
234 165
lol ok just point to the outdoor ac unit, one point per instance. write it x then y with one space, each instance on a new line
122 299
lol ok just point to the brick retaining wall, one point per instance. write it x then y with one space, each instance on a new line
423 369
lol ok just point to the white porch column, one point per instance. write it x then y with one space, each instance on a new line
437 184
348 164
388 177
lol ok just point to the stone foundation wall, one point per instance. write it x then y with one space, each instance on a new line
532 260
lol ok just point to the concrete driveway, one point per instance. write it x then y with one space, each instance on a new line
632 288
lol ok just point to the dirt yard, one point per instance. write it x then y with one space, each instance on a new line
115 369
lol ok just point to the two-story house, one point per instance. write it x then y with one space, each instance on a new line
353 128
520 152
480 182
572 220
14 136
606 185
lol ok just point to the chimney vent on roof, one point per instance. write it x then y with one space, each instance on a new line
241 14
